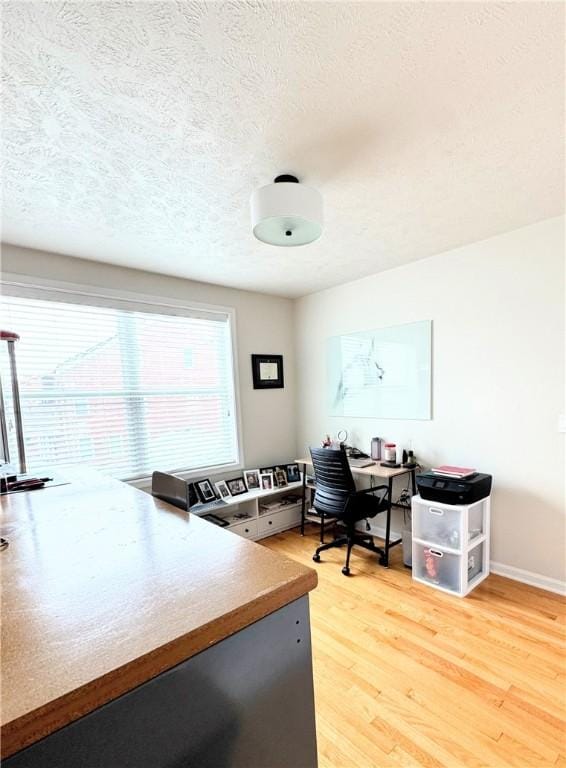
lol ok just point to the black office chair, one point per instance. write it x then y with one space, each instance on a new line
336 496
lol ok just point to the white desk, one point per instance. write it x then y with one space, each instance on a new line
375 470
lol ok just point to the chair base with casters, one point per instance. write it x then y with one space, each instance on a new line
336 495
350 540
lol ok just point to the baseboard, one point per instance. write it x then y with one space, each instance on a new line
379 531
509 571
528 577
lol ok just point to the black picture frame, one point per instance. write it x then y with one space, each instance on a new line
237 490
202 491
215 519
259 362
293 473
193 497
280 478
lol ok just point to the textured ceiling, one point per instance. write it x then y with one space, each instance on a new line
134 132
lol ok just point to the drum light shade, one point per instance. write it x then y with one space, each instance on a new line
286 213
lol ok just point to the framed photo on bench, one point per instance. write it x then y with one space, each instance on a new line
193 497
236 486
293 473
251 476
266 481
222 490
215 519
205 491
280 478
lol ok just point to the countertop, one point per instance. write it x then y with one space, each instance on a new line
105 587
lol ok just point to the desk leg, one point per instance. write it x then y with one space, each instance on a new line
385 559
304 500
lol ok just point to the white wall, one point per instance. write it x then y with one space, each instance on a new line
497 308
264 325
498 368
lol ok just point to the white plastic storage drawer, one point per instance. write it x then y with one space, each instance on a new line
437 524
476 519
476 563
247 529
434 566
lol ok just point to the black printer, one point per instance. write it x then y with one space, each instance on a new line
451 490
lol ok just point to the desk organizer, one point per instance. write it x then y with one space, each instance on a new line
450 544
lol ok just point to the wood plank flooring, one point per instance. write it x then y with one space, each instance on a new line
408 676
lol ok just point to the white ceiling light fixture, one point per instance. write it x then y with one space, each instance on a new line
286 213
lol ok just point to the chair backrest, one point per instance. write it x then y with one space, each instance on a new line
334 481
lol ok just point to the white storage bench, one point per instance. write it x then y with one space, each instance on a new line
248 516
450 544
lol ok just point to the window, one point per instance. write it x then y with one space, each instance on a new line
81 408
126 390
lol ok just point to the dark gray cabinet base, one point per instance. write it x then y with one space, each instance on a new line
246 702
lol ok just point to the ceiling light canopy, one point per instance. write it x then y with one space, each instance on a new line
286 213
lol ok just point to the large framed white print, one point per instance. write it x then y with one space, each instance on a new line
382 374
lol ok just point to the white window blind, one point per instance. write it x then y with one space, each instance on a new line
122 390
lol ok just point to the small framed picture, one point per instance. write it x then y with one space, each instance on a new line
293 473
280 478
266 470
251 476
205 491
215 519
236 486
267 371
222 490
266 481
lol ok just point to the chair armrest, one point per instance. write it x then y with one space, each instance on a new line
372 490
367 503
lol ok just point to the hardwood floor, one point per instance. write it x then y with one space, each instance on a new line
408 676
